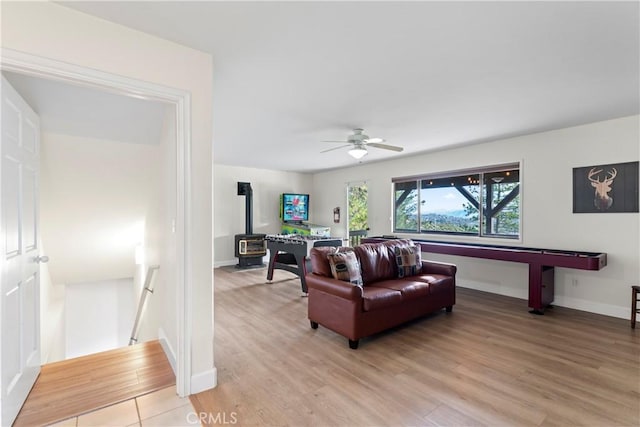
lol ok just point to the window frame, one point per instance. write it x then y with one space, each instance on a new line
457 174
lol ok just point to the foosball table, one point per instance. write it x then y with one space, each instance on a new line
290 252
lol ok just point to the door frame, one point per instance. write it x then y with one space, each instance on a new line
33 65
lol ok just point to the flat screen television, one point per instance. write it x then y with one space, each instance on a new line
294 207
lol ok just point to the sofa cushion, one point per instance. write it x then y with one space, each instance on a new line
399 242
345 267
408 287
375 262
375 298
408 260
319 262
438 283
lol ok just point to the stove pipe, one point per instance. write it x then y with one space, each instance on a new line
244 189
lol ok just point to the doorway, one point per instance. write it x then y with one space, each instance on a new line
357 211
22 63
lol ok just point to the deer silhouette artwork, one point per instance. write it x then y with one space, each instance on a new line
602 199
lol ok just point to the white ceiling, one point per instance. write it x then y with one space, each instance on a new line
422 75
85 112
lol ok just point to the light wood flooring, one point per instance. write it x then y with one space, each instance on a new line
162 408
488 363
76 386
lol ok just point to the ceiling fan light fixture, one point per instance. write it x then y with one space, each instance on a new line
358 152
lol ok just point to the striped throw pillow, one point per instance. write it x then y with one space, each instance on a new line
345 266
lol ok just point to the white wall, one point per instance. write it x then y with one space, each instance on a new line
229 212
98 316
52 338
547 221
50 30
94 197
160 315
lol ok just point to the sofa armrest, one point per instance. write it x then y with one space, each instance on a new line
443 268
333 286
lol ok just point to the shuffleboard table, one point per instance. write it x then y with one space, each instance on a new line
541 263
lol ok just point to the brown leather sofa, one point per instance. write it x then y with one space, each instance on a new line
384 300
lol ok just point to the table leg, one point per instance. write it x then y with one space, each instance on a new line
272 262
301 260
541 287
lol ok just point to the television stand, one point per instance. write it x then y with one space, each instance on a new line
305 229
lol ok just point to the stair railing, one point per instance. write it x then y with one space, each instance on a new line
355 236
146 291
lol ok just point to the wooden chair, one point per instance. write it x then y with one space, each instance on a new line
635 290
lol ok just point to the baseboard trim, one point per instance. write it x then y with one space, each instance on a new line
592 307
199 382
493 289
204 381
168 350
559 300
225 263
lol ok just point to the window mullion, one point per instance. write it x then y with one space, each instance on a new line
419 190
481 198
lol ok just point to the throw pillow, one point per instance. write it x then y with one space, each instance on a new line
409 260
345 266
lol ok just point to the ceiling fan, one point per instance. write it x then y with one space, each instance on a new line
359 143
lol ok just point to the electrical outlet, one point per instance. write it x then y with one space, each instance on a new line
574 283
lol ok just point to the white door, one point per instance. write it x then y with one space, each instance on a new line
20 297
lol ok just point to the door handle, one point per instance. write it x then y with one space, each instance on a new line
41 259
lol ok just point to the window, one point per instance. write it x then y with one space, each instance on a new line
480 202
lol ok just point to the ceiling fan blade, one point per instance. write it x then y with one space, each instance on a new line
342 142
335 148
385 146
374 140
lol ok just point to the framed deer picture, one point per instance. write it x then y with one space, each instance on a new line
606 188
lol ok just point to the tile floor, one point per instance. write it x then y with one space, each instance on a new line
161 408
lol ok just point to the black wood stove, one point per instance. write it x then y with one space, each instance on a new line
250 248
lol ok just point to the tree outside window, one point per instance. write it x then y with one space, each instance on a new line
357 205
406 203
